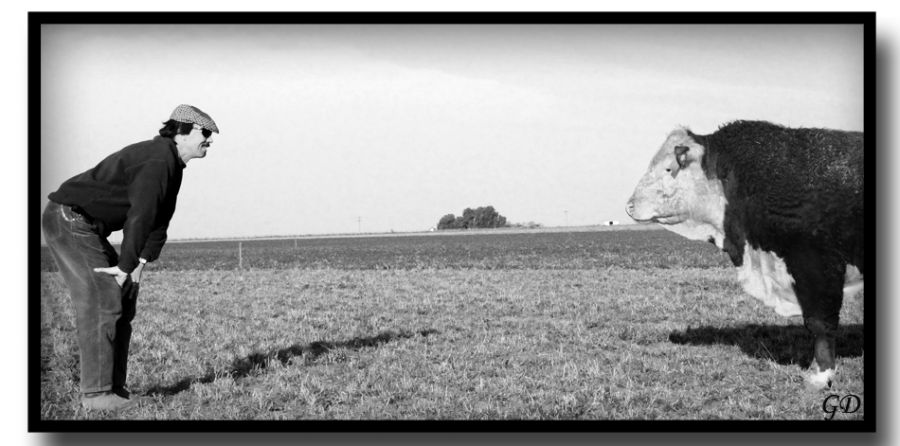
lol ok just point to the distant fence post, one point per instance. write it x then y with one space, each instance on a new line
240 255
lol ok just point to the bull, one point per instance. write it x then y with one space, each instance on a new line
785 204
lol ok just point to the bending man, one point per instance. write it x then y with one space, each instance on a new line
133 190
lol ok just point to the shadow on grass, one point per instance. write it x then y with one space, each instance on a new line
243 367
785 345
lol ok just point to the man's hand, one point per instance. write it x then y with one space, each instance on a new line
136 273
114 271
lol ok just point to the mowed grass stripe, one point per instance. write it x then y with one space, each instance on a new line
614 343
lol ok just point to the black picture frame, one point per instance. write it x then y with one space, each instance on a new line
623 429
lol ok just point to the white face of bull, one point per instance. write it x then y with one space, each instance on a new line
675 192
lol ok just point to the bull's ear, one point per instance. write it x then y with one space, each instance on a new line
681 156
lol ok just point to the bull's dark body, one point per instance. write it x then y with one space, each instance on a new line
799 194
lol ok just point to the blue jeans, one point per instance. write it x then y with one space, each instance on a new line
103 309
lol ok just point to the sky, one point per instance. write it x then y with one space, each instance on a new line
375 128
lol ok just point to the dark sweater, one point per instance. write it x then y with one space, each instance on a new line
133 190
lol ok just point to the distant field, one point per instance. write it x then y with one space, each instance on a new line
476 249
624 324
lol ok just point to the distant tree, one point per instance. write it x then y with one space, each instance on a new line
467 220
447 222
488 217
482 217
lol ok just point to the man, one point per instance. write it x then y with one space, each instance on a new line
133 190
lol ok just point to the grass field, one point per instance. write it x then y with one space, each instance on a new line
551 325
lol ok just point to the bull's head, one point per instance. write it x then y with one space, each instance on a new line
677 193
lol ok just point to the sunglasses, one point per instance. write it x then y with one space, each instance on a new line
206 133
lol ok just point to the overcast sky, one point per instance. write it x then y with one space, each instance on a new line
337 129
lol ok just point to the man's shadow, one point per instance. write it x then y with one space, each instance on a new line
258 361
786 345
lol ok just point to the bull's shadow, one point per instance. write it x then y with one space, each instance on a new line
243 367
785 345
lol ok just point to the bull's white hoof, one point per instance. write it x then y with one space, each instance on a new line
820 379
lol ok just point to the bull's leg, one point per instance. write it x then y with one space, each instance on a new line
822 371
818 283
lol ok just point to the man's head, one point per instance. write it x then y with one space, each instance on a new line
191 129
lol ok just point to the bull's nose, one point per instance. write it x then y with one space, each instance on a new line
629 208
